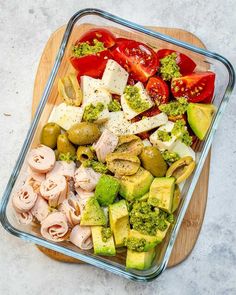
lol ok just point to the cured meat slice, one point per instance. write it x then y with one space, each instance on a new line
24 199
72 210
41 159
86 178
40 209
81 237
62 168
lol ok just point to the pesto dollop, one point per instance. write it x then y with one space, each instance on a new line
181 132
66 157
146 219
169 68
92 112
84 48
170 157
164 135
96 166
134 100
175 108
135 244
106 233
114 106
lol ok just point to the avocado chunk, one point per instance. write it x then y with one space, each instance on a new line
107 189
119 221
139 242
161 193
199 118
176 198
135 186
101 247
93 213
160 235
140 260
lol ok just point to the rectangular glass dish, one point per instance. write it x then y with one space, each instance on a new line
78 24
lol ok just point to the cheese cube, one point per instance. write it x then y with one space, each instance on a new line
183 150
114 77
66 116
148 123
117 123
129 112
163 145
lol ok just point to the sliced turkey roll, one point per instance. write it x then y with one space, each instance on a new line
72 210
81 237
34 179
54 189
40 209
24 199
55 227
86 178
62 168
24 217
41 159
83 196
105 145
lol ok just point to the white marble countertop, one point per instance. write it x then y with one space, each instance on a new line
25 27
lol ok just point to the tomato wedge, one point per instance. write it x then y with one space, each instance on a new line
158 90
100 34
196 87
185 63
92 65
137 58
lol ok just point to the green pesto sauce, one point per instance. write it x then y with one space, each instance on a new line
92 112
106 234
180 131
170 157
114 106
83 49
175 108
96 166
169 68
135 244
66 157
164 135
134 100
146 219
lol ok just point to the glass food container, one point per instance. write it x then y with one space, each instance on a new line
79 23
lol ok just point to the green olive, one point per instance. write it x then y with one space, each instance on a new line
130 144
181 169
152 160
84 153
56 154
64 146
122 163
176 199
49 135
83 133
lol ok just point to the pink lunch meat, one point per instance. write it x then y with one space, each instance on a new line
24 199
55 227
54 189
62 168
81 237
105 145
24 217
41 209
83 196
34 179
86 178
71 208
41 159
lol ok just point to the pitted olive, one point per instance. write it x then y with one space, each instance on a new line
83 133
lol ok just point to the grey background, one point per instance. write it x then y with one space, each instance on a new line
25 26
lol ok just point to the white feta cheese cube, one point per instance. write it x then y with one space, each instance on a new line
183 150
163 145
66 116
114 77
131 113
118 124
148 123
89 87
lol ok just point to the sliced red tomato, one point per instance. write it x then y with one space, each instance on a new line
185 63
100 34
137 58
92 65
158 90
195 87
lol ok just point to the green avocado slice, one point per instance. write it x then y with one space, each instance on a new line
93 213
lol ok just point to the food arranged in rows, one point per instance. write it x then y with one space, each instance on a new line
116 151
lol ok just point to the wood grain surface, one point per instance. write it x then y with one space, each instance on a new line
193 219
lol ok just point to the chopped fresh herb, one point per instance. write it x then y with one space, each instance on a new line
175 108
92 112
163 135
135 244
134 99
186 138
66 157
179 128
170 157
106 233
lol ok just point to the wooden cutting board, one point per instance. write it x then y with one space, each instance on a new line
193 219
